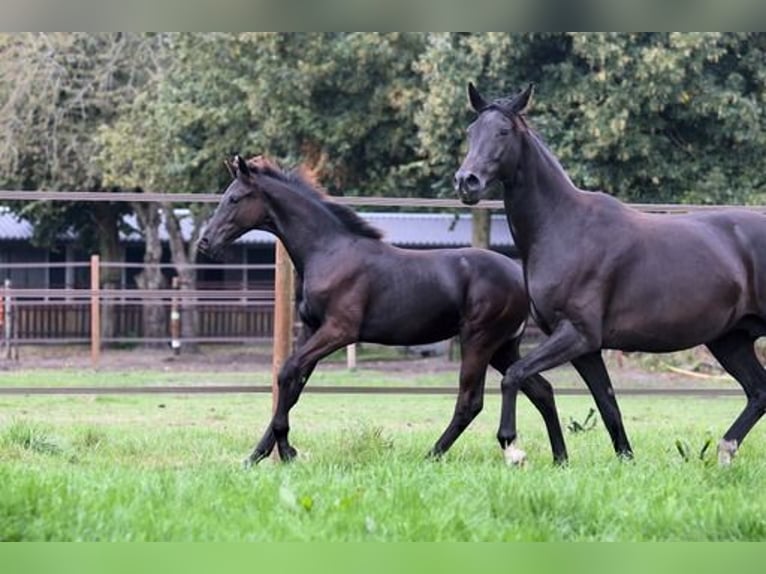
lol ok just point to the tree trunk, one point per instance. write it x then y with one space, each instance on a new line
110 250
182 255
153 314
481 228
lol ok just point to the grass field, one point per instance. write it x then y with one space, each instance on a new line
168 468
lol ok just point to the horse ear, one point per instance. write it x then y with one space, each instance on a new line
522 102
478 103
242 167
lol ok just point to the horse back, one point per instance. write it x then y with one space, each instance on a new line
414 296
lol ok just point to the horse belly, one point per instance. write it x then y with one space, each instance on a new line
416 321
673 320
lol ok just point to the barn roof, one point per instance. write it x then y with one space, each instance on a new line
13 228
406 229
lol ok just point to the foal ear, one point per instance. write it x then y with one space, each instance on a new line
230 168
522 102
478 103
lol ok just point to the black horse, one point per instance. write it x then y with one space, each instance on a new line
355 287
601 275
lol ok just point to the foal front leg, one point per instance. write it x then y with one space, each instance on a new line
269 441
330 337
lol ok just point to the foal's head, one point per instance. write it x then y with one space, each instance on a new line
242 206
494 143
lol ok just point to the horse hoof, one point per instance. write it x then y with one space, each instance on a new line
514 456
433 455
287 454
726 451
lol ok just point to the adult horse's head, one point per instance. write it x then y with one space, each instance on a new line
494 144
242 207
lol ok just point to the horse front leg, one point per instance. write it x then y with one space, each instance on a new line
330 337
564 344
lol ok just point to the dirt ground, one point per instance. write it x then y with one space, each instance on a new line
691 369
210 358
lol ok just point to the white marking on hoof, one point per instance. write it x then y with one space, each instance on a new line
514 456
520 330
726 451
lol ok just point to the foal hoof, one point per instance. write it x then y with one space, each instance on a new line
514 456
288 453
254 458
726 451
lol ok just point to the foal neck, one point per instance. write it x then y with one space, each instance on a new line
301 221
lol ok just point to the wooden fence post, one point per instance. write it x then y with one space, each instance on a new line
7 319
95 310
175 320
351 357
283 316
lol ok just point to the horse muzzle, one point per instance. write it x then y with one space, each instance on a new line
468 186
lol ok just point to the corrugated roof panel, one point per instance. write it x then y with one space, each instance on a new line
12 228
409 229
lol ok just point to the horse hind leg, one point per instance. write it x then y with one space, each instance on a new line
540 393
736 353
593 371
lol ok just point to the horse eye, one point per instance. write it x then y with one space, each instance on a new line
234 199
504 132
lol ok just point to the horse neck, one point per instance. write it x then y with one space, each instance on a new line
539 195
301 223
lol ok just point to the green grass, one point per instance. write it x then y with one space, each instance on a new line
168 468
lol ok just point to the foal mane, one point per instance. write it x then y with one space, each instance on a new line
305 180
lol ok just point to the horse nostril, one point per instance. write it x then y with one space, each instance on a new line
472 182
203 245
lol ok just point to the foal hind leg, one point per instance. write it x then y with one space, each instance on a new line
540 393
736 353
593 371
470 400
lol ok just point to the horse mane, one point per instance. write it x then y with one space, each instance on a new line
503 105
306 180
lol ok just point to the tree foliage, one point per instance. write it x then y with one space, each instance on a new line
342 102
648 117
671 117
56 89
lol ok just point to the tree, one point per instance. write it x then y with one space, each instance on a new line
663 117
56 89
173 137
343 103
648 117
